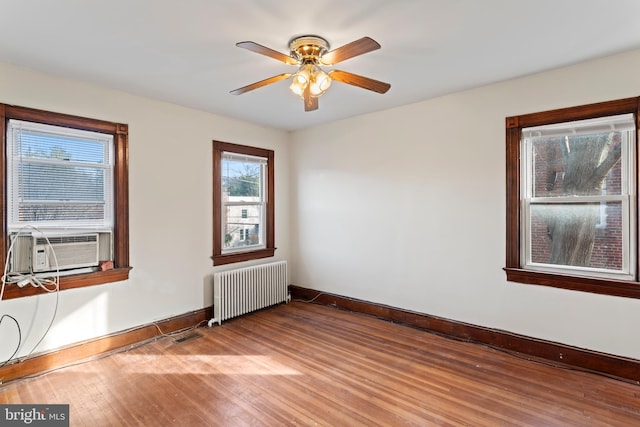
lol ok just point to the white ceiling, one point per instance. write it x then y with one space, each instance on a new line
184 51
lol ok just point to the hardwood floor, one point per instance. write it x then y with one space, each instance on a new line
304 364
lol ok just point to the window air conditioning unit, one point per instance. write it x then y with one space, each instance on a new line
33 254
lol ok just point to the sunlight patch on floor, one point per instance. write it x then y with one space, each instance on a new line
203 364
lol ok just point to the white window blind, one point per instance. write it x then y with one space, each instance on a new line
58 177
622 122
244 158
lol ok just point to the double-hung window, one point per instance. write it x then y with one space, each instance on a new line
243 203
243 191
572 173
59 178
572 206
64 179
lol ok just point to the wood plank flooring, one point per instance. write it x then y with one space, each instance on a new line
305 364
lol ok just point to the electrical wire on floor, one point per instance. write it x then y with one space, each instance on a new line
19 338
311 300
49 285
178 332
114 351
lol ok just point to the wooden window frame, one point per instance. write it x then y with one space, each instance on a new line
514 126
120 133
218 257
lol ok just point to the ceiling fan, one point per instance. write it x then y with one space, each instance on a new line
310 81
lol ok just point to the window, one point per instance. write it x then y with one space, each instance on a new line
59 178
66 175
243 198
572 205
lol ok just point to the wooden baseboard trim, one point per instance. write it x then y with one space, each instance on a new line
85 350
621 368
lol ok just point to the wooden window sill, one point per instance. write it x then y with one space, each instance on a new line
242 256
594 285
70 282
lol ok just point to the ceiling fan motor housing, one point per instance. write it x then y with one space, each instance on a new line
308 48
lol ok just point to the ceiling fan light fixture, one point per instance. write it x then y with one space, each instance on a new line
310 81
297 89
310 75
321 80
319 85
300 81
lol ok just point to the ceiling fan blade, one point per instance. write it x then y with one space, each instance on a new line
258 48
261 83
349 50
360 81
310 102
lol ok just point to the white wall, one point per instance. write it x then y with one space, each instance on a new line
170 155
406 207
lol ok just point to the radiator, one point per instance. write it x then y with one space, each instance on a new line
240 291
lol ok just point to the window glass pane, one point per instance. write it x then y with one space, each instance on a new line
580 158
578 234
40 145
239 231
78 213
241 180
581 165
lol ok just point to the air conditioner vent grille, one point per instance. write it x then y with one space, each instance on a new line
81 238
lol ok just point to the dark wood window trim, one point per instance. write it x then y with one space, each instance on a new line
515 273
218 257
120 134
